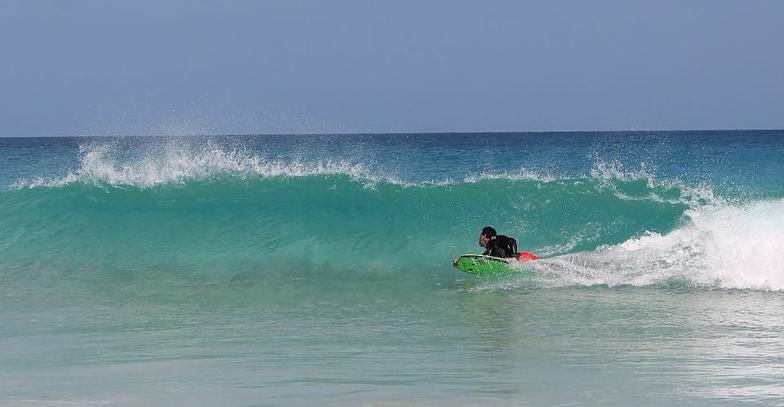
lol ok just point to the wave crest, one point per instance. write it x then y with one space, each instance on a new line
105 163
102 164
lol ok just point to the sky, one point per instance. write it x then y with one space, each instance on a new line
256 67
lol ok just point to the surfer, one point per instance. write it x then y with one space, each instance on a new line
501 246
500 253
497 245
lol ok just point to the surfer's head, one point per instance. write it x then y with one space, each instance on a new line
486 235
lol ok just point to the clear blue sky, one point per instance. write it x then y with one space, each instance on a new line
179 67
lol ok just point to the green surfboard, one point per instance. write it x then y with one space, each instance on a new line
485 265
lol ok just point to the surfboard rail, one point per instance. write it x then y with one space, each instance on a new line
481 264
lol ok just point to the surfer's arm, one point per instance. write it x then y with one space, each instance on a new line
490 249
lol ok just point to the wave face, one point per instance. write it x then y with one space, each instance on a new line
343 207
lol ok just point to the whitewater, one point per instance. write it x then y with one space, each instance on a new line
320 266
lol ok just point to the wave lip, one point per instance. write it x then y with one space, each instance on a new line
104 163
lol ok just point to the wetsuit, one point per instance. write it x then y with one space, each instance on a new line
501 246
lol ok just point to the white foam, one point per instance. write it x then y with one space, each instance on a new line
521 174
690 195
739 247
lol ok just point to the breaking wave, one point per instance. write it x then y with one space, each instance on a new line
174 202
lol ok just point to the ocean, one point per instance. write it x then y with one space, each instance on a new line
301 270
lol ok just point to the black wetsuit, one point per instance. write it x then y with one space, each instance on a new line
501 246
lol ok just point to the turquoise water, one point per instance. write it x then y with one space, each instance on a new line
302 270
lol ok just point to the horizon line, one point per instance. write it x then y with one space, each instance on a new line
398 133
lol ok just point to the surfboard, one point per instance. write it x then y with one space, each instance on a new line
483 265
